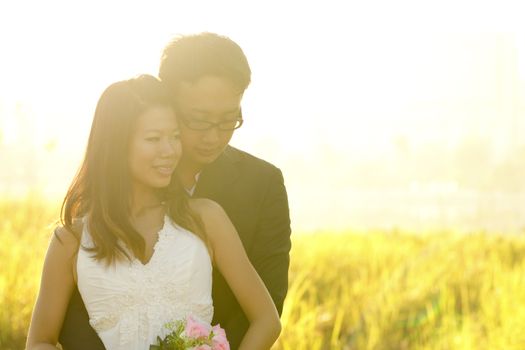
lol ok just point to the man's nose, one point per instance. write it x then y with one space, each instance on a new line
212 134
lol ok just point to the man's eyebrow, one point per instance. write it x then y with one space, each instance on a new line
203 111
177 129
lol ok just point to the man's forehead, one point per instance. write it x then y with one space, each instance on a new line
208 99
208 86
199 110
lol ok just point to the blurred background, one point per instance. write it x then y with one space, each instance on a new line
404 120
401 114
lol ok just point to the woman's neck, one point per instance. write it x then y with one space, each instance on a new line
143 201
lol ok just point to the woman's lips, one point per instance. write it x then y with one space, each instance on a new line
165 170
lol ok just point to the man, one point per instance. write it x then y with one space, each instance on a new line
208 75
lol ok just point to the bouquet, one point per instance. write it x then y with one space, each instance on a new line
190 334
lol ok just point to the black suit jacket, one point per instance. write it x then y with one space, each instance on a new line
253 194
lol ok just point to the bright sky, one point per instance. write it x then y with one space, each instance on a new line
331 79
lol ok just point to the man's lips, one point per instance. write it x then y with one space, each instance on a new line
207 152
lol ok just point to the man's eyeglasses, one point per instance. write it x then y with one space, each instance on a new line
201 125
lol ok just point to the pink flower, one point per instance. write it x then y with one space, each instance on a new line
219 341
202 347
195 329
217 330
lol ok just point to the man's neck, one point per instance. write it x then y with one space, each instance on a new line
187 173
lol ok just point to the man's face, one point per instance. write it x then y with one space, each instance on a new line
209 99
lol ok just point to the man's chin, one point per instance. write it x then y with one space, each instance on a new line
206 159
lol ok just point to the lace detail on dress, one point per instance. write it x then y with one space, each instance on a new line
129 303
103 322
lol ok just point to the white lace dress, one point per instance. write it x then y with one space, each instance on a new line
129 302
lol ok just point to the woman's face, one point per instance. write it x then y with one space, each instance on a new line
155 148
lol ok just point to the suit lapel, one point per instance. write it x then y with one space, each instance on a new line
217 176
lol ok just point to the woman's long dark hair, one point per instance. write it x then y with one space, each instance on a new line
101 190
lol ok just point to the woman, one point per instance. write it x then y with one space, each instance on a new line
139 250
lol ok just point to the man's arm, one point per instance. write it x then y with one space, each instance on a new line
270 254
76 332
272 244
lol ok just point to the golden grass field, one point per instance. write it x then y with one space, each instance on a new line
380 290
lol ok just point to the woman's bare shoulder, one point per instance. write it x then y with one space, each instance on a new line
215 219
205 207
68 239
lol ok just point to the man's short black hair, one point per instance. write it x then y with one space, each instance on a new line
188 58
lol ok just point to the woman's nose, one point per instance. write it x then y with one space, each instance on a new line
169 147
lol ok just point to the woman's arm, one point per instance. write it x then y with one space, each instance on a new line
56 286
234 265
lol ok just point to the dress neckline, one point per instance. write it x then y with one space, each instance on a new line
160 235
